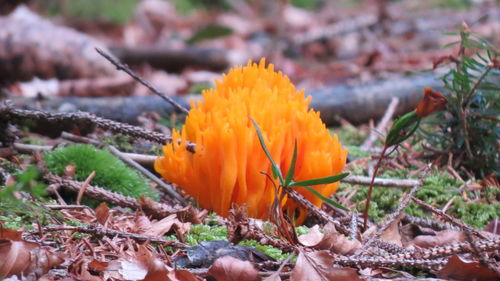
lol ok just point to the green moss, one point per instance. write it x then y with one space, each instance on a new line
201 232
271 251
439 188
477 215
111 173
349 135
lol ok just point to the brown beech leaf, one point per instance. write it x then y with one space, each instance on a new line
442 238
23 258
459 269
319 266
10 234
312 238
181 275
336 242
102 213
228 268
392 234
159 228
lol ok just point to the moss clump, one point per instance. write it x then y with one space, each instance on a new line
110 172
438 189
271 251
201 232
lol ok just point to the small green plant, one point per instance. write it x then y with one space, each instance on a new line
288 182
469 128
21 202
110 172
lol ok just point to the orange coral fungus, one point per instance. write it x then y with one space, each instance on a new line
226 167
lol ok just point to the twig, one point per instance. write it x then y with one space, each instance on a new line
426 222
10 113
354 226
482 256
143 159
66 207
388 261
150 207
80 139
381 126
101 231
83 187
168 188
447 217
319 213
127 70
404 183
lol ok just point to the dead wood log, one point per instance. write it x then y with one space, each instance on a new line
356 104
172 60
32 46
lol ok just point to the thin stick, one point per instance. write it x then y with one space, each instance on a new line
84 118
157 210
168 188
369 196
101 231
447 217
319 213
127 70
362 180
382 125
143 159
84 187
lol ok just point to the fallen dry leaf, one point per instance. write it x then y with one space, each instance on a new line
442 238
458 269
312 238
232 269
336 242
392 234
318 265
102 213
23 258
181 275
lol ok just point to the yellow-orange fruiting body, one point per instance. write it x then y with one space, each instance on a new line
228 162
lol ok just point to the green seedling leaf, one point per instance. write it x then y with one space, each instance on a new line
275 168
402 128
210 32
326 199
291 171
317 181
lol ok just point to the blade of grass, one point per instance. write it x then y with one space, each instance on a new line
317 181
291 170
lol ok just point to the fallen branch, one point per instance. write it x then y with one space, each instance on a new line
447 217
404 183
143 159
100 231
149 207
132 74
319 213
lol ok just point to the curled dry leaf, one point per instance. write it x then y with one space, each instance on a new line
313 238
391 233
336 242
24 258
102 213
458 269
319 266
231 269
442 238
